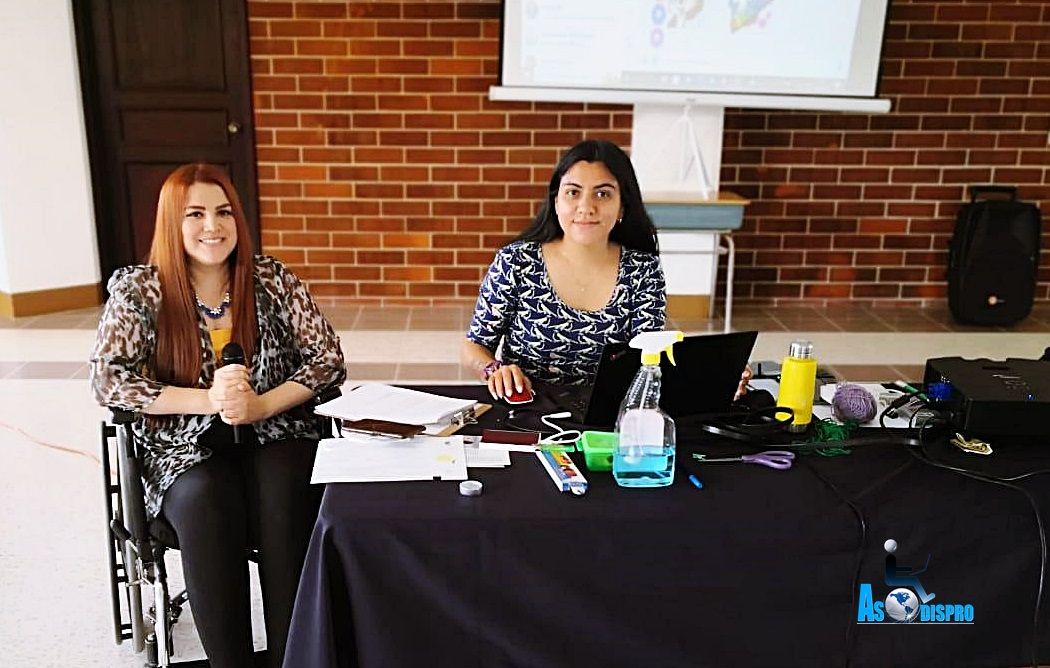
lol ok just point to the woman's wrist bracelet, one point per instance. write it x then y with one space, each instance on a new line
491 367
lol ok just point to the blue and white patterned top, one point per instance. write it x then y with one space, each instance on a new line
551 341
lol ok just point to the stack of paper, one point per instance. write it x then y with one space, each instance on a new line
483 458
397 404
360 458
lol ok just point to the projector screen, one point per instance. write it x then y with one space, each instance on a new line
624 50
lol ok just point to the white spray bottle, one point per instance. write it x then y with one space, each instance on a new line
645 452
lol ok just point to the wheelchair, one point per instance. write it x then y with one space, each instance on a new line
144 611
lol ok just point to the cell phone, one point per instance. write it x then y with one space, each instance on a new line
515 398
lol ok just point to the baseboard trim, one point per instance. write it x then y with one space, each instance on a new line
688 306
39 302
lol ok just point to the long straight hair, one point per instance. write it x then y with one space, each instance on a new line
178 356
635 230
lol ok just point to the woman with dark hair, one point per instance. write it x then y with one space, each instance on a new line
157 351
584 273
633 229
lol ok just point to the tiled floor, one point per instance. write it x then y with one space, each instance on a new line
54 601
407 343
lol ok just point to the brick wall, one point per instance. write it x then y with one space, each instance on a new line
387 175
385 171
861 207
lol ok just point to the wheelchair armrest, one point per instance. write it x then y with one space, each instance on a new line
131 523
325 424
121 416
326 395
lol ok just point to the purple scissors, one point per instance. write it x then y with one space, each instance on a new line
774 459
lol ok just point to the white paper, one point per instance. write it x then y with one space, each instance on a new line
488 458
375 401
361 458
768 384
507 447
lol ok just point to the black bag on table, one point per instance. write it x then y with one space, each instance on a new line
993 258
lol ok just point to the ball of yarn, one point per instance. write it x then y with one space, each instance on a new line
853 402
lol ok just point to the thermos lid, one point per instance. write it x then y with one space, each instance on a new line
801 348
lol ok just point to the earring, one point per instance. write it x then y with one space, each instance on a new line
618 221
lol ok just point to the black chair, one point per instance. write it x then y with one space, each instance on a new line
143 610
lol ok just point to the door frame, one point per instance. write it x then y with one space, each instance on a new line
115 241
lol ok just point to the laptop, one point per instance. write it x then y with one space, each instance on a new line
704 380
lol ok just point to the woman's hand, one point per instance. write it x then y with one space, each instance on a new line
745 378
233 397
508 379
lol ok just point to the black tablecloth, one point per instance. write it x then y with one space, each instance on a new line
759 568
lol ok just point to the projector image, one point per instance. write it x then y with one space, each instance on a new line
992 399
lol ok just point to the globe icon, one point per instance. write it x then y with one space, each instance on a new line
902 605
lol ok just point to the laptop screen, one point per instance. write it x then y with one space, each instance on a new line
704 380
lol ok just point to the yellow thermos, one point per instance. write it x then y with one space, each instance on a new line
798 379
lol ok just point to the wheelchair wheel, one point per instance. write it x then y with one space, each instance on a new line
124 571
114 546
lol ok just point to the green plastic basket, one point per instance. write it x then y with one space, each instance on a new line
598 448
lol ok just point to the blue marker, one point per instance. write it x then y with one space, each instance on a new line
696 481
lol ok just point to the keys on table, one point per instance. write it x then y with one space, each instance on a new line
972 445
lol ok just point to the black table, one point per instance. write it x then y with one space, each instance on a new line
759 568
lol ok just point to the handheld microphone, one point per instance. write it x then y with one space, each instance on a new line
232 353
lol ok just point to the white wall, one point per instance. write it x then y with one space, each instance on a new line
5 280
47 223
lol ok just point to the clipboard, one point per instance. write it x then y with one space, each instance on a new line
371 427
384 410
378 401
462 419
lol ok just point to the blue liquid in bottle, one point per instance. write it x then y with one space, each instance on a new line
646 466
645 453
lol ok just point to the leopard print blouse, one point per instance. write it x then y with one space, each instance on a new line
295 343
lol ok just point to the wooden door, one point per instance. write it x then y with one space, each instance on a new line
164 83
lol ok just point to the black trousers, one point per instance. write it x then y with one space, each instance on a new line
243 496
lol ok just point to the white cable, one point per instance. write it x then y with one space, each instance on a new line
561 436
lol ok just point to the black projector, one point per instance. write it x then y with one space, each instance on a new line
992 399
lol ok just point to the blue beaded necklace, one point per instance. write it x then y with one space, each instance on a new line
213 313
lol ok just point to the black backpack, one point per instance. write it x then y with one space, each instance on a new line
993 258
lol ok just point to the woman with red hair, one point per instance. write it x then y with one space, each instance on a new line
158 352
